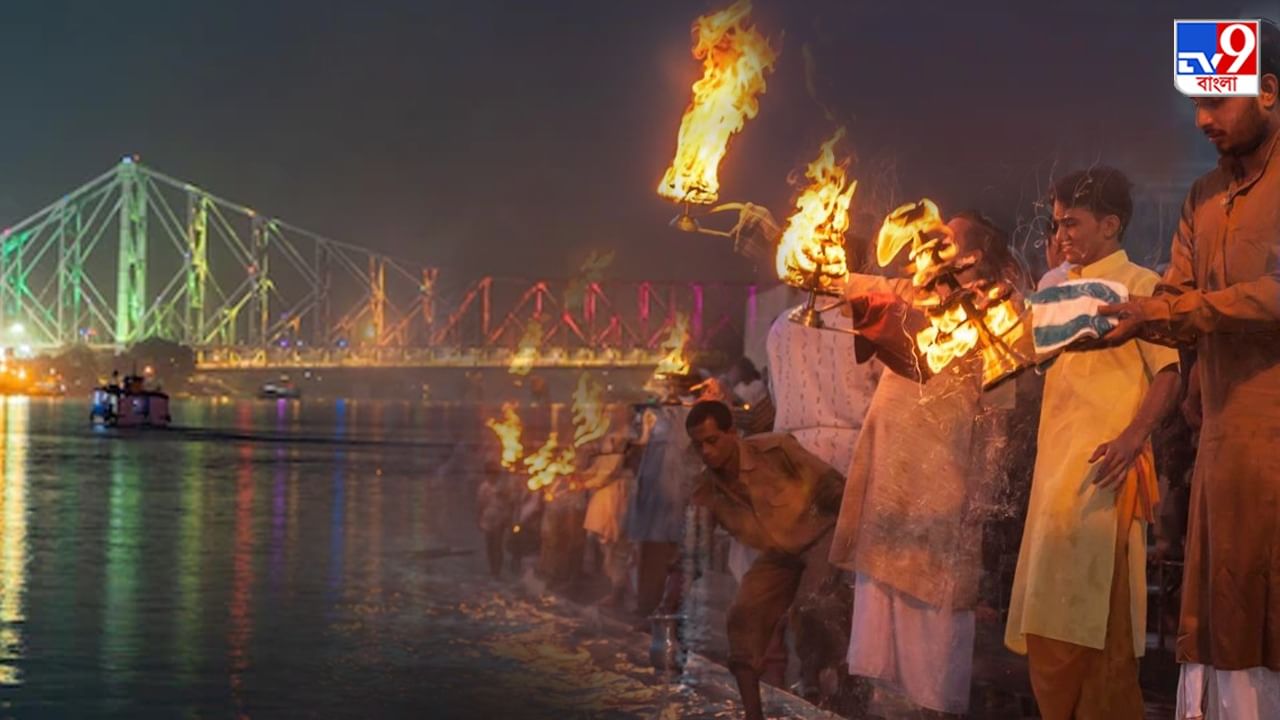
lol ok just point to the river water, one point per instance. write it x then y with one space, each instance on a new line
277 560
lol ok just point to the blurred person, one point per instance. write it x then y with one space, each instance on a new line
746 382
495 508
609 481
656 510
562 552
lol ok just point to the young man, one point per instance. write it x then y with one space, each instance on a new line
1058 267
1078 609
774 496
1221 295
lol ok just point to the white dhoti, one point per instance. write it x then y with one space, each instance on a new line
922 652
1204 692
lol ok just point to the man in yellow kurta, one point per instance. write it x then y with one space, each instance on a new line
1078 608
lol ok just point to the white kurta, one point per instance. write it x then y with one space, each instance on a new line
820 395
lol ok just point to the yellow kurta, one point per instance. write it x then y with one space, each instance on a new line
1062 587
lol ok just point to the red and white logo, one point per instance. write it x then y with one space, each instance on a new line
1216 57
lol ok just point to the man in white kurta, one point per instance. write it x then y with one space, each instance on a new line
922 475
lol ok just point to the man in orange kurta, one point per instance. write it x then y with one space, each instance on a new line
1221 295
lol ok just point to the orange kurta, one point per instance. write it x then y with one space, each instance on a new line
1222 294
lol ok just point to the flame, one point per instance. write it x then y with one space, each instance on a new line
734 59
988 317
508 432
1004 315
590 422
546 465
812 247
949 336
676 361
527 350
904 226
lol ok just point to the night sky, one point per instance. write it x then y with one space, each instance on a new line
515 137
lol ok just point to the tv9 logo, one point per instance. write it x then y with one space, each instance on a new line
1216 57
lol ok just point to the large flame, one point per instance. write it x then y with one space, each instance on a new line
549 463
675 361
590 421
962 317
527 350
508 431
734 59
811 251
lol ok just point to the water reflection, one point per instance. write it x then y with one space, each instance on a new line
190 561
240 569
120 578
14 417
241 624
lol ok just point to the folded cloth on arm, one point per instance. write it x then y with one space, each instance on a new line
1065 313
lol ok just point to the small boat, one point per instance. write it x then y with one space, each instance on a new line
283 389
129 405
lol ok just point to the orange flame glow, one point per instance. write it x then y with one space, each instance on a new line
676 360
812 247
508 432
549 463
905 226
986 318
950 335
734 59
527 350
590 421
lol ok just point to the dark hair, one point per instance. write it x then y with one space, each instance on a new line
1269 48
747 369
1101 190
998 260
709 410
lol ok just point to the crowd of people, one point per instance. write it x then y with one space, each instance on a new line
870 506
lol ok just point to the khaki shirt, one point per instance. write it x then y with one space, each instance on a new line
784 498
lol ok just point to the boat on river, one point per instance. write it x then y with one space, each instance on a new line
129 404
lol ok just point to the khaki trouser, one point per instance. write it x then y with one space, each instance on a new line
820 605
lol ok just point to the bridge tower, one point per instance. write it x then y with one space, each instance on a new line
131 287
196 268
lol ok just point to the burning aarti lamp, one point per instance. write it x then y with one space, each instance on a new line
811 254
964 316
735 57
809 314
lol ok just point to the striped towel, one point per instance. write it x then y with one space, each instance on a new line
1064 313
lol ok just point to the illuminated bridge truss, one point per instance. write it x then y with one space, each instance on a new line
135 254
